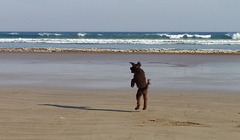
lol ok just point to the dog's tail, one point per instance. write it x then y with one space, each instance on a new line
148 83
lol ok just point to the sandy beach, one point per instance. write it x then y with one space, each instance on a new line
60 96
109 114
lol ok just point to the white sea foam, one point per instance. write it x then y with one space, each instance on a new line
203 36
13 33
179 36
49 34
56 34
81 34
236 36
122 41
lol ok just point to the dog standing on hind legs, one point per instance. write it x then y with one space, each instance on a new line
140 80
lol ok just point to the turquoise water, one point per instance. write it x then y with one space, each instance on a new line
122 40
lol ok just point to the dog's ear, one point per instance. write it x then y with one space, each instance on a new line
132 63
139 64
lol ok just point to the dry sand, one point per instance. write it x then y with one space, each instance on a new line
61 114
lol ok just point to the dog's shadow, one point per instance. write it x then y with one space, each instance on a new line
86 108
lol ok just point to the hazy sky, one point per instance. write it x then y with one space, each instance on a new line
120 15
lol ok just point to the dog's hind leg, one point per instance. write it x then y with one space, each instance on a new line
138 97
145 101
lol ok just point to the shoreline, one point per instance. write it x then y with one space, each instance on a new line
123 51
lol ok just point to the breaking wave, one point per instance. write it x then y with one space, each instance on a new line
123 35
236 36
121 41
81 34
49 34
142 38
181 36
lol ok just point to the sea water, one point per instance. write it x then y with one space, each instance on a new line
111 71
122 40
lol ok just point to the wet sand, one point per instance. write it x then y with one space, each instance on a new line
111 71
88 96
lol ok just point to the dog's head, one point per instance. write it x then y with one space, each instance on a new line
135 67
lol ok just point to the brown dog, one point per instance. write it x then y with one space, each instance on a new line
140 80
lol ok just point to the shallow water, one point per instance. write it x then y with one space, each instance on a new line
111 71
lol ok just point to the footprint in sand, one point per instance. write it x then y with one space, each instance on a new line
166 122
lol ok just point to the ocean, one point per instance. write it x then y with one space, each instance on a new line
122 40
218 73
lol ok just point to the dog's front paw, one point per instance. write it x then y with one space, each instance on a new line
144 108
132 85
